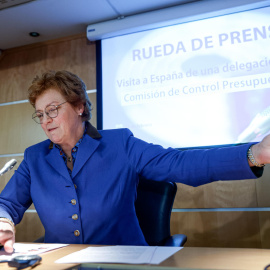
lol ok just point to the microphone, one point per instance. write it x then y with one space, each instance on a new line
8 166
257 127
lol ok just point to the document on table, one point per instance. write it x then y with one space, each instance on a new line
28 249
120 254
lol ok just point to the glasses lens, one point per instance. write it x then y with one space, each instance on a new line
51 111
38 117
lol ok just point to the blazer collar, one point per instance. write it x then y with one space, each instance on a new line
92 131
86 149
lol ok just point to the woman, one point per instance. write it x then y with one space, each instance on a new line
83 181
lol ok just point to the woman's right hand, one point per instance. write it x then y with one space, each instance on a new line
7 235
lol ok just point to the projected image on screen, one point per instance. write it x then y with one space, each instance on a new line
200 83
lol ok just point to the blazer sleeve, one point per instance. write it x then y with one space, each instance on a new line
190 167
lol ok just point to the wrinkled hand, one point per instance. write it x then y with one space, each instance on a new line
7 236
261 151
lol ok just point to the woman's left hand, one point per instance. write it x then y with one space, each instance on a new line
261 151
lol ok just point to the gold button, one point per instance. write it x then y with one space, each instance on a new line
77 233
75 217
75 186
73 202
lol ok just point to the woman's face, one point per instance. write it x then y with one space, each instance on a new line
64 128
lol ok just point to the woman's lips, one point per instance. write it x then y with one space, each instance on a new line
51 129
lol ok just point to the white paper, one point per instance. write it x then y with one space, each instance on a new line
163 253
120 254
28 249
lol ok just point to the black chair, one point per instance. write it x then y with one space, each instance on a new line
153 208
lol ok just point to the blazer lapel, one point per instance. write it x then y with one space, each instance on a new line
57 163
87 147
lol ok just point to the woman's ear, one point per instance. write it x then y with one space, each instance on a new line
80 109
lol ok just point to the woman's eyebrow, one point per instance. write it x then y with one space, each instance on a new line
39 110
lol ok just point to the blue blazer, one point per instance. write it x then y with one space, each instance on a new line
96 204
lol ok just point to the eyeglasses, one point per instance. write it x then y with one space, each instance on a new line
51 111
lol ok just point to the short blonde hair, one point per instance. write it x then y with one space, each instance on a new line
68 84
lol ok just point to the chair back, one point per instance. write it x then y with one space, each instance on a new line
153 208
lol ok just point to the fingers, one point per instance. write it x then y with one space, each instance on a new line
8 245
261 152
7 236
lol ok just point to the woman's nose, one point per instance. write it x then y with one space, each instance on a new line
46 119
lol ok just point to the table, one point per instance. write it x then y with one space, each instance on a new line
187 258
